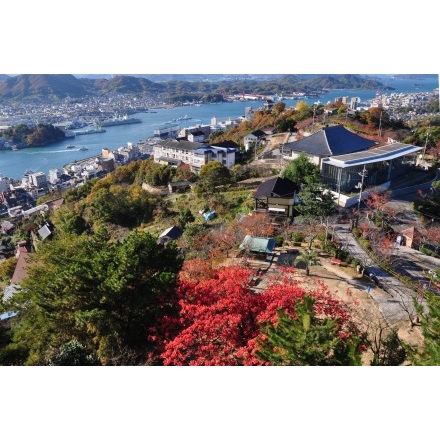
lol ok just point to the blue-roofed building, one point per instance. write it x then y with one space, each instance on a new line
330 141
347 161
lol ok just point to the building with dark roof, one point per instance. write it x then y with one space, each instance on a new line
330 141
253 137
348 161
170 234
277 196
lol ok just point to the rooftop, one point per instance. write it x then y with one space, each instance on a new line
379 154
331 141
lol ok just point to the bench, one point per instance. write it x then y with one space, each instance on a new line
336 261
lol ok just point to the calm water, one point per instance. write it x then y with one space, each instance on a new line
15 163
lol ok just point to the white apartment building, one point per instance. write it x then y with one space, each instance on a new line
38 180
174 152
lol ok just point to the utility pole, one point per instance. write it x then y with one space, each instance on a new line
360 185
380 124
426 140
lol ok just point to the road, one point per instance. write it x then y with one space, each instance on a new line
397 305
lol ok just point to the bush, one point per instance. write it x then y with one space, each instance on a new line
357 232
364 243
330 248
425 251
279 241
297 237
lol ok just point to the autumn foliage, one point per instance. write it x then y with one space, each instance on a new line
220 318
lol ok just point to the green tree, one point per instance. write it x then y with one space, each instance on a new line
301 170
308 257
66 221
430 321
212 175
73 354
185 216
287 124
105 294
7 269
391 353
306 339
316 201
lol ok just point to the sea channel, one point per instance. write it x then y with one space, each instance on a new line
13 164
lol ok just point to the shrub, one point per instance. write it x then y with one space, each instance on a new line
279 241
425 251
364 243
357 232
297 237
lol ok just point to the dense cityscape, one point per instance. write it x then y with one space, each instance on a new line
155 252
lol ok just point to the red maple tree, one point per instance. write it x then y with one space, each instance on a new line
220 317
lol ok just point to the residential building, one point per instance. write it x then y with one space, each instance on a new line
38 180
253 138
197 136
173 152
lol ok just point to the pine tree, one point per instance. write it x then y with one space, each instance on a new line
306 340
430 321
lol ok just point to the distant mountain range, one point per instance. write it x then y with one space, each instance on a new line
178 86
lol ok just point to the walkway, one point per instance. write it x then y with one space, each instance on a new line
398 304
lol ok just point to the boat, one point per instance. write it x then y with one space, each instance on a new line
182 118
70 146
90 131
83 149
118 121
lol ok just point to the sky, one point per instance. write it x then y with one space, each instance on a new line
218 37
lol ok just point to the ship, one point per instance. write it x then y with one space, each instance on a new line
90 131
119 121
182 118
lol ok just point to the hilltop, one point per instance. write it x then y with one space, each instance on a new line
174 87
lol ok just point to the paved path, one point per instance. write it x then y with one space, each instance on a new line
397 305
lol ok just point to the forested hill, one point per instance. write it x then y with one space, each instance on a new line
59 86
